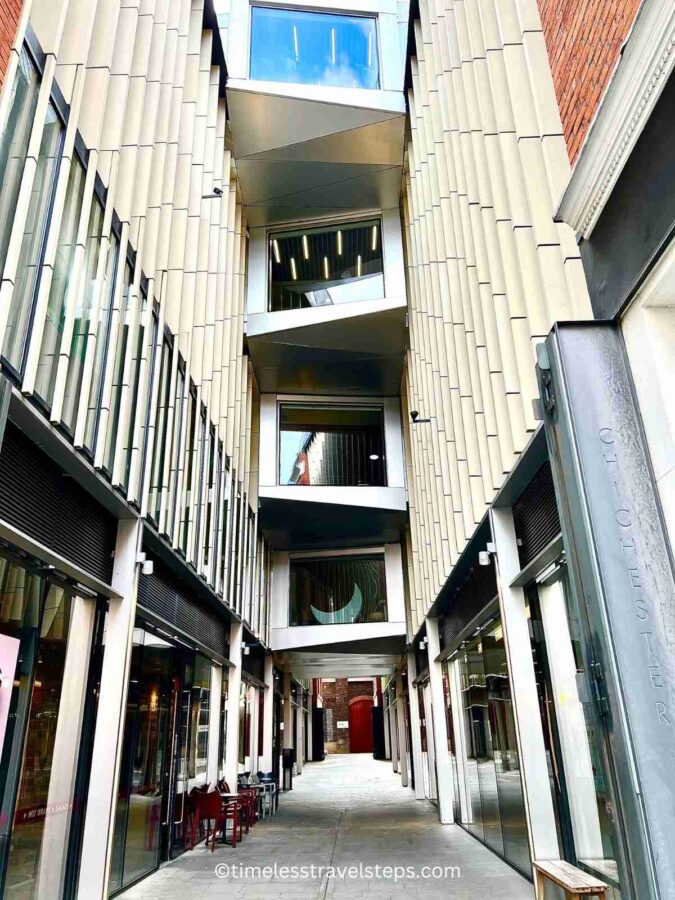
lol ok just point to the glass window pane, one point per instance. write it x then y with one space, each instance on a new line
120 348
83 309
32 245
493 761
200 712
189 468
14 145
325 266
179 397
331 445
338 590
136 837
102 343
160 432
63 267
132 418
314 48
35 619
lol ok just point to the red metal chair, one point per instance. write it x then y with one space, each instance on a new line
213 807
243 802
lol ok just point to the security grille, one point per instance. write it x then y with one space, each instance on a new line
157 594
38 498
479 589
535 516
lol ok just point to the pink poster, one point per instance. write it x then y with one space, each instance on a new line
9 653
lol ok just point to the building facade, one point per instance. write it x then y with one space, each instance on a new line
335 345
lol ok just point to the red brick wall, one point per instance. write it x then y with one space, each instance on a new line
336 696
583 39
10 10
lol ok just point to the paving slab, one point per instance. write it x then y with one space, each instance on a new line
365 836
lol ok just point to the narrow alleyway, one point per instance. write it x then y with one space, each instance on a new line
349 810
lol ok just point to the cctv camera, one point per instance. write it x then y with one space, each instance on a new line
414 415
218 191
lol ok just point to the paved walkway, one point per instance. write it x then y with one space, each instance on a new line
349 810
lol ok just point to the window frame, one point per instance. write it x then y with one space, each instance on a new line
325 11
332 224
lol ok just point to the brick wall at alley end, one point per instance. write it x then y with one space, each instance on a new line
336 696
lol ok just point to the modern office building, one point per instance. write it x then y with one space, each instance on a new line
336 344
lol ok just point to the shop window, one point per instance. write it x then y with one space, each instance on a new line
222 737
61 278
493 763
200 714
337 590
588 817
329 445
33 242
301 47
40 807
153 687
326 266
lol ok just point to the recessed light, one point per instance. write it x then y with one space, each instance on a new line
305 246
294 270
374 456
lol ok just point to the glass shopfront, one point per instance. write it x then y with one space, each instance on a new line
45 644
588 817
497 809
164 753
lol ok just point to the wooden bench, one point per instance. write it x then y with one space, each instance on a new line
574 882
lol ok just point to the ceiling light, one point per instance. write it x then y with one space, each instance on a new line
325 268
294 270
296 49
358 266
374 456
305 246
373 243
275 247
339 240
332 45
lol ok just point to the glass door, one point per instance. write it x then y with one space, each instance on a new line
142 786
178 770
589 803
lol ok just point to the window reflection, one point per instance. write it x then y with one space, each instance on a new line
326 266
338 590
331 445
35 621
61 277
32 245
303 47
496 796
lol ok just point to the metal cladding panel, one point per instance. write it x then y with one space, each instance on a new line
159 594
535 516
621 571
475 595
39 499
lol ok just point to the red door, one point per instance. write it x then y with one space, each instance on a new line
360 725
